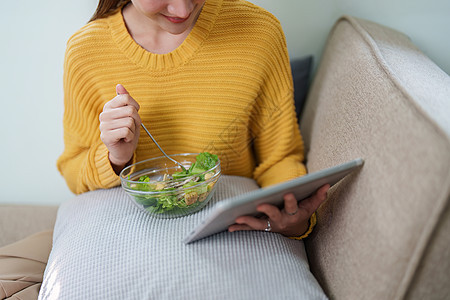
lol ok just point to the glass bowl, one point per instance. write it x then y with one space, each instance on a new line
160 187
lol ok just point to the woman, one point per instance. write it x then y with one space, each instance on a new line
203 76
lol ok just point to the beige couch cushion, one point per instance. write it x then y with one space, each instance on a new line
384 232
20 221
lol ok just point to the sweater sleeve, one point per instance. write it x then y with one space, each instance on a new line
84 162
278 144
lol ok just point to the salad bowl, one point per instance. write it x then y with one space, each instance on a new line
163 189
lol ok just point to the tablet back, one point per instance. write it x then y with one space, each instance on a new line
225 212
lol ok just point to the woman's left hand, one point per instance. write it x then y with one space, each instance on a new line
292 220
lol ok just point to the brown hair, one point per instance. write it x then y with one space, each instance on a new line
107 7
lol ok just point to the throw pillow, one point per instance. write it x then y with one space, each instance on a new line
104 247
301 72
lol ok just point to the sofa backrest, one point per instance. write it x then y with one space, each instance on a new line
384 232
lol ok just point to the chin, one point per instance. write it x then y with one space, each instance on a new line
176 29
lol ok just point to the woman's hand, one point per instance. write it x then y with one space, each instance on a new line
120 128
292 220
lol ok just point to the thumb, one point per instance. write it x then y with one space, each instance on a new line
120 89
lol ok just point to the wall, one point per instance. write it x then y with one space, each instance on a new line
33 37
307 22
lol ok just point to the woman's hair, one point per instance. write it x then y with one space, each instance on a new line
107 7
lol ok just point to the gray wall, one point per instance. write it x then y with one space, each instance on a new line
33 37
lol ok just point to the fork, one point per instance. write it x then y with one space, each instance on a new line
156 143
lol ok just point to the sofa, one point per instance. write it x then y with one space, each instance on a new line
384 231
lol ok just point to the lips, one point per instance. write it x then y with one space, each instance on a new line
175 19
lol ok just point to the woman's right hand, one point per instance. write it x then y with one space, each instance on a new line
120 128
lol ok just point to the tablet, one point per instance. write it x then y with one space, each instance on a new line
226 211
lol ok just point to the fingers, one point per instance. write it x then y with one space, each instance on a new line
123 112
127 122
119 123
115 135
120 89
271 211
311 204
248 223
123 98
290 204
125 127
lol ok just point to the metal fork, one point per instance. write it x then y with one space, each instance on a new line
156 143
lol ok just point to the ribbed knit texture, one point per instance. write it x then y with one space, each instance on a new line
226 89
105 247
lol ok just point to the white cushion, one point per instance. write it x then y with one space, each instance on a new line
104 247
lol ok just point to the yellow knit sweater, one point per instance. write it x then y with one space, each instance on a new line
227 89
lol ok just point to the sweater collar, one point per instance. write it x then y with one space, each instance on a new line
179 56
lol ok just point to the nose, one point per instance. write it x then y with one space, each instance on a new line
180 8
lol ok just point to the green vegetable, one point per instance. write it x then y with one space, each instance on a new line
204 162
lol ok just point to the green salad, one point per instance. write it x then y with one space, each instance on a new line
179 191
